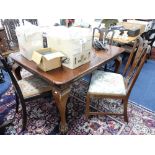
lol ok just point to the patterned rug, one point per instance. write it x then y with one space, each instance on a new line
43 117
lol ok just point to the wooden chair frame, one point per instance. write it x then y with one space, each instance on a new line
103 32
130 79
18 94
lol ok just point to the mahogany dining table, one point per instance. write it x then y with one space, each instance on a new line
61 79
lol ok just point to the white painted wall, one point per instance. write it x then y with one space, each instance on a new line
48 21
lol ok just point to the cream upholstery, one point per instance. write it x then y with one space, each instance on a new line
32 85
106 83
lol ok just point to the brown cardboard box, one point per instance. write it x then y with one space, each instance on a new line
46 59
75 43
128 25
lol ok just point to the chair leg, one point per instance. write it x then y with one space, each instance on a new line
87 106
125 102
24 115
17 102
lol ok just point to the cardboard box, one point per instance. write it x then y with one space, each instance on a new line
46 59
75 60
128 25
74 43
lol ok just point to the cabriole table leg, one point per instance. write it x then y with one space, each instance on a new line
61 97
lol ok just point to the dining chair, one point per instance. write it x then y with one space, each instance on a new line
130 50
105 38
116 86
26 89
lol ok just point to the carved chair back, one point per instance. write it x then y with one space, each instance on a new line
138 57
138 42
104 35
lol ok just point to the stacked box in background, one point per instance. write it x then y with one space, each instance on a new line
131 25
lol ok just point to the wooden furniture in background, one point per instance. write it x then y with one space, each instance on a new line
128 25
129 39
10 25
61 79
128 42
115 86
3 41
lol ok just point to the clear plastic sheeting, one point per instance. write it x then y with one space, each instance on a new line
29 39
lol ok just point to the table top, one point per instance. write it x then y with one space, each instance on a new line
129 25
125 40
64 75
120 39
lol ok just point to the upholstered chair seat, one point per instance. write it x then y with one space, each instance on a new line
32 86
107 83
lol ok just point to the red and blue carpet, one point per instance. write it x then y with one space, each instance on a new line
43 117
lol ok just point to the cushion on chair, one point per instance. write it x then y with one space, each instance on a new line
107 83
32 85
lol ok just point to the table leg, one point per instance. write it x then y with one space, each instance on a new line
118 62
16 70
61 97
